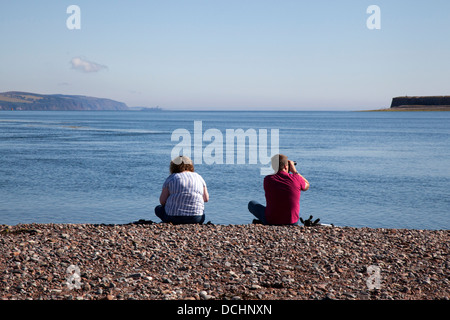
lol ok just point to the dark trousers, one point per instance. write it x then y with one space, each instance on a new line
161 213
259 211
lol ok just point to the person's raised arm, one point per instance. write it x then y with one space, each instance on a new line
306 182
293 169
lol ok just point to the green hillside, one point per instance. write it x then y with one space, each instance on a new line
15 100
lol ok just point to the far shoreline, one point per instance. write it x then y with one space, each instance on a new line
406 110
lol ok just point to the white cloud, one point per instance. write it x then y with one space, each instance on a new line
84 65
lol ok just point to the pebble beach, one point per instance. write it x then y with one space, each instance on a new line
159 261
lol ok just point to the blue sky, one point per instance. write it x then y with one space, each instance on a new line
228 55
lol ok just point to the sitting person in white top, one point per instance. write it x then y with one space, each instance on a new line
183 194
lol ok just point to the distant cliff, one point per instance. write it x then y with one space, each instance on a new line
424 103
15 100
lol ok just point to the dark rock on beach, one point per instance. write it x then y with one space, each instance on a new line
146 261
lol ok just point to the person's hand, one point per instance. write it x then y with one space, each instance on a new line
309 222
292 168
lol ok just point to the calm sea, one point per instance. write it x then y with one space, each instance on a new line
366 169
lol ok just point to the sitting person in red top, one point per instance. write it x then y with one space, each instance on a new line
282 191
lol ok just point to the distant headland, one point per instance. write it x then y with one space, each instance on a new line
422 103
419 103
16 100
